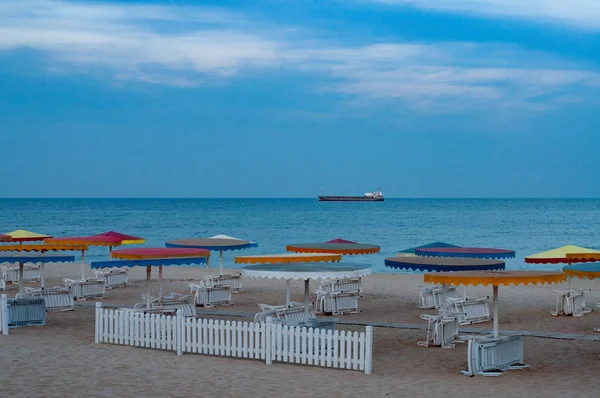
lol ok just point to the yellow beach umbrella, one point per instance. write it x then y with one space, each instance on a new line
557 256
20 235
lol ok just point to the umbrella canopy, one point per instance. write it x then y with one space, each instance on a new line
42 248
338 246
125 239
556 256
443 264
495 278
35 258
149 258
411 251
287 258
5 238
20 235
588 257
159 253
466 252
218 243
589 271
109 241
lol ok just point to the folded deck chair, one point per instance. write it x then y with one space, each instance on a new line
441 331
469 310
57 298
336 303
268 310
347 285
183 304
113 277
570 302
233 280
206 296
30 273
85 289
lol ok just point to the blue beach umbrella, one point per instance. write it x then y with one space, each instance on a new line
411 251
218 243
34 258
149 263
465 252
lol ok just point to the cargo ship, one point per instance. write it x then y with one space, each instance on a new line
376 196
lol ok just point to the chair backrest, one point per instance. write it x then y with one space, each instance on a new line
295 314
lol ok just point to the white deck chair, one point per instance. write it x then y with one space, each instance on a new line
182 303
268 310
297 316
336 303
234 281
57 298
347 285
113 277
30 273
441 331
86 289
570 302
469 310
205 296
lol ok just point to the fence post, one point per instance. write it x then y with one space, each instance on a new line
369 350
4 314
179 332
98 322
269 331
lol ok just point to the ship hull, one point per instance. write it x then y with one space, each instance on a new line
348 199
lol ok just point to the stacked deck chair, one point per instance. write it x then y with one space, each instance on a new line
183 304
207 295
88 288
57 298
233 280
339 296
30 273
113 277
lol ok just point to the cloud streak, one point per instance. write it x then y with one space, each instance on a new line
186 47
578 13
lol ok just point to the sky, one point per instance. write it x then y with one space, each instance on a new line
420 98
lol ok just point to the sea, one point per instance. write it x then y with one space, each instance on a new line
527 226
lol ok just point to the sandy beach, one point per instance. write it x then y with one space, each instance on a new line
61 359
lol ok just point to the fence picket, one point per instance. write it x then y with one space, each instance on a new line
342 341
322 348
336 341
355 351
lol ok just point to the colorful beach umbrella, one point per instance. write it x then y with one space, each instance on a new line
157 256
587 257
288 258
20 235
411 251
587 271
218 243
557 256
125 239
465 252
150 257
5 238
34 258
306 272
337 246
495 278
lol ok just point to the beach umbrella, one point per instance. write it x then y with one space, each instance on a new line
443 264
558 255
20 235
465 252
200 256
34 258
411 251
5 238
154 257
218 243
288 258
125 239
495 278
107 241
306 272
338 246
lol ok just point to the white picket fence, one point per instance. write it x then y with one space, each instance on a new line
4 314
264 341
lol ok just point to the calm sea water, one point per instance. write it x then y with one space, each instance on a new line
527 226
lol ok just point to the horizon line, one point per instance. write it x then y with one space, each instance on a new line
289 198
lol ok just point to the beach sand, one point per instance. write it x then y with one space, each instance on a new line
62 360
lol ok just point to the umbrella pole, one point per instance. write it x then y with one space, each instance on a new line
220 262
306 294
42 275
148 276
82 263
444 310
495 300
160 281
287 292
21 281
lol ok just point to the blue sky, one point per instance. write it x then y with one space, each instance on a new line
423 98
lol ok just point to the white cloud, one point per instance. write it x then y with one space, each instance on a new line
186 47
580 13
